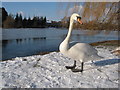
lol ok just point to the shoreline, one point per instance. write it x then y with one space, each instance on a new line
48 71
60 28
108 42
111 43
115 43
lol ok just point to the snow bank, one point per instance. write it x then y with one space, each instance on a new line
45 71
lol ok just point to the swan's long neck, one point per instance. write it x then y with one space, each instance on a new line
67 39
64 46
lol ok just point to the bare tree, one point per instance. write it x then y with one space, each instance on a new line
95 13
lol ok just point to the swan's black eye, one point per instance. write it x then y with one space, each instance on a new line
78 17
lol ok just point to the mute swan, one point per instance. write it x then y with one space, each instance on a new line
79 51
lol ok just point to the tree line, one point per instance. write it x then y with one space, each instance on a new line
9 21
95 16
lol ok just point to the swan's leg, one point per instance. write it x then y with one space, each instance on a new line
71 67
78 70
82 66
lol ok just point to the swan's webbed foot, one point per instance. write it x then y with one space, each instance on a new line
71 67
77 70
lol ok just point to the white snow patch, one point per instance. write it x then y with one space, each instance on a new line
45 71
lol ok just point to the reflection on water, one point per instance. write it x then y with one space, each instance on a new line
25 47
27 42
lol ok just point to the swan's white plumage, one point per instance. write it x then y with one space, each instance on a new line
79 51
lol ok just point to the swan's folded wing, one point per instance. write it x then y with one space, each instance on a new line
72 43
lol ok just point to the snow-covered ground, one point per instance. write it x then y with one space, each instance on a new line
46 71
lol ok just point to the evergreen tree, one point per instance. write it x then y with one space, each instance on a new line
4 15
42 22
35 22
18 21
9 21
16 18
29 23
45 20
24 23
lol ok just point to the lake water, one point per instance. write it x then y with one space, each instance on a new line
25 42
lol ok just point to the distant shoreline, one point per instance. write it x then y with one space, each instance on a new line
113 43
67 28
109 43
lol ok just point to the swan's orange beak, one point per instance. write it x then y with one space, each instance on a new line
79 20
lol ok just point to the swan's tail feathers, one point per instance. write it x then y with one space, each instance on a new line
97 57
100 57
